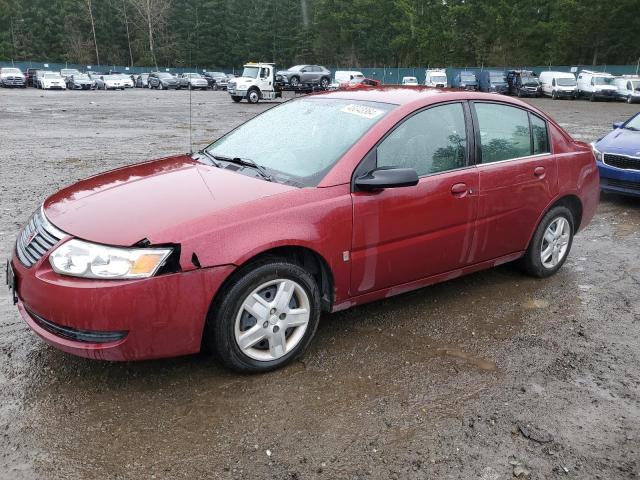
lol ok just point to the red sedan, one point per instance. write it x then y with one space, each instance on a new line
319 204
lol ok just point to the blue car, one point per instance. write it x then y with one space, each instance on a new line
618 158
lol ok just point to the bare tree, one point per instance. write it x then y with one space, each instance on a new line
126 24
154 15
89 5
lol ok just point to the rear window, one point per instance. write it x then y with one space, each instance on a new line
507 133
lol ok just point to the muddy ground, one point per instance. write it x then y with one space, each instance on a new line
445 382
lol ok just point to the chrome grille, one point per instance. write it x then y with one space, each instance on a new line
37 237
622 161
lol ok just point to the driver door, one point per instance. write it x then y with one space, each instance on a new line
265 79
409 233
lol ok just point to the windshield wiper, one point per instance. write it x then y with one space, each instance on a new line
633 129
246 162
211 158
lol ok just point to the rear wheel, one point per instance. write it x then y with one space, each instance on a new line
266 318
550 244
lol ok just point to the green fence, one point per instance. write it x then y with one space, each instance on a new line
387 75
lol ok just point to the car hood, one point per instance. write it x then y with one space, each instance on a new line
154 200
621 140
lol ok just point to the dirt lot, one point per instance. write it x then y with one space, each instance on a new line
445 382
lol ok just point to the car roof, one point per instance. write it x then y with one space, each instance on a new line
409 95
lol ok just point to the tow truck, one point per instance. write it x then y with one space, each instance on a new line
259 81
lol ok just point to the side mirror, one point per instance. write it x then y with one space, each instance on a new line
387 178
617 125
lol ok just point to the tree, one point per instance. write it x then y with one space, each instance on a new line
154 15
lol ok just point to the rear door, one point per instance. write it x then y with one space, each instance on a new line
518 178
405 234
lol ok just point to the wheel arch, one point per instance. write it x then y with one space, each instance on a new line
570 201
304 256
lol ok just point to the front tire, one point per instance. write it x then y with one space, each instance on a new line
294 81
236 99
324 82
551 243
554 95
265 318
253 96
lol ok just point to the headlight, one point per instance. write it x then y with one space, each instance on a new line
596 153
89 260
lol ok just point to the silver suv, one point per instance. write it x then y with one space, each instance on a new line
300 74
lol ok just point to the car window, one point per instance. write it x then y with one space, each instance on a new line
540 135
431 141
504 132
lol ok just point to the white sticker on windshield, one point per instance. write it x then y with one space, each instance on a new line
362 111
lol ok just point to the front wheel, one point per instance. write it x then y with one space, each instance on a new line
294 81
324 83
629 99
554 95
265 318
550 244
253 96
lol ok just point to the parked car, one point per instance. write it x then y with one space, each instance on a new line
628 88
30 75
39 75
12 77
217 80
142 80
241 246
299 74
492 81
125 79
192 81
465 80
162 81
523 83
558 85
108 82
66 73
596 85
409 81
52 81
80 81
346 76
618 158
359 82
435 78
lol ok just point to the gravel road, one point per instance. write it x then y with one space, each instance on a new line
484 377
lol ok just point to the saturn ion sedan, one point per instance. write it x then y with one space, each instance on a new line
241 246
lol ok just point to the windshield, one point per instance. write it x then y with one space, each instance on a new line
497 78
467 78
566 82
411 80
81 76
602 80
250 72
69 71
529 80
164 75
633 124
295 68
301 155
438 78
193 75
11 70
51 75
635 84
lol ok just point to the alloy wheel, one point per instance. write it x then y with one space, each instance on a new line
555 242
272 320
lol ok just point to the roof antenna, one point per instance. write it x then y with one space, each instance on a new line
190 135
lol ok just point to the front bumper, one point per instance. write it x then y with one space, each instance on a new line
236 93
566 93
618 180
604 93
13 82
157 317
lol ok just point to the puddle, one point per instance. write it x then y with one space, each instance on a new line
486 365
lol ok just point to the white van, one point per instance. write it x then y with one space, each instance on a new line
342 76
435 78
595 85
628 88
558 84
409 81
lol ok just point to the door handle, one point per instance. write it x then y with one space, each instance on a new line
459 189
539 172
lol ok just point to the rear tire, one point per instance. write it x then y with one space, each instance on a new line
275 343
546 244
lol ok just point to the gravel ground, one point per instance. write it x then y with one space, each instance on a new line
489 376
